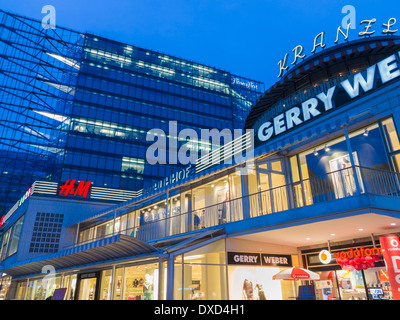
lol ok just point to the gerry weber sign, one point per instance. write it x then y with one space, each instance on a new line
259 259
349 89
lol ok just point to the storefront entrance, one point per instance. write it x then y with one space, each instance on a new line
88 284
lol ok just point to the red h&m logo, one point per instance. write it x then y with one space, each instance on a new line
69 188
1 220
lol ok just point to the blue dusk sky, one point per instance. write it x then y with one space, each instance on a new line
245 37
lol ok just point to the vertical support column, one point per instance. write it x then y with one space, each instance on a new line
77 233
167 218
244 181
26 288
160 278
112 282
170 278
357 183
115 217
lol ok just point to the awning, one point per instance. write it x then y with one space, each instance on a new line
178 243
114 247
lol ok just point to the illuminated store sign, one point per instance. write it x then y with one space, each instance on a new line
245 83
26 196
391 254
319 40
2 220
388 69
175 177
259 259
70 188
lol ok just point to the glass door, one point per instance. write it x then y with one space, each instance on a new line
87 289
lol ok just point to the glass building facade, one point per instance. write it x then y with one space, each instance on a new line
79 106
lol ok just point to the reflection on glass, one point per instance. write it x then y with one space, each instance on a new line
351 285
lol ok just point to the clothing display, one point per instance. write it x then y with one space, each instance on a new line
247 290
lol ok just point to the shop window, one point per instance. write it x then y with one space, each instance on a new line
253 189
391 135
256 283
377 282
20 292
235 187
368 147
69 282
141 282
118 283
4 244
211 203
5 283
326 172
201 274
351 285
87 289
327 287
153 223
272 186
16 234
105 285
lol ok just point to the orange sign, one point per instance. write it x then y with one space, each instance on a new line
361 252
383 277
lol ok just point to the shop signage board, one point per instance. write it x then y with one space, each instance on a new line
353 88
390 245
26 196
388 28
259 259
70 188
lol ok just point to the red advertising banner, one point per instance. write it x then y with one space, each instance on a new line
390 245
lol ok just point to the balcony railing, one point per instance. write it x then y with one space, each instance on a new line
318 189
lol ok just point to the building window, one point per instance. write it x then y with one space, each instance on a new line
139 282
324 172
201 274
16 234
4 244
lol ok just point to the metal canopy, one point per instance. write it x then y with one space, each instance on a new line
110 248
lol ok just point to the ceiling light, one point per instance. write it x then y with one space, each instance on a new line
332 234
366 133
392 224
308 238
360 229
327 148
315 152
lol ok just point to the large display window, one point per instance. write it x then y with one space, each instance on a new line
201 274
138 282
267 187
256 283
325 172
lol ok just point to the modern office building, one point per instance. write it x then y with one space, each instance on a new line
79 106
321 192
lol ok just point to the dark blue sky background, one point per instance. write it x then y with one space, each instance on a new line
245 37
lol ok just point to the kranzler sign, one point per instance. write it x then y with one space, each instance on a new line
363 82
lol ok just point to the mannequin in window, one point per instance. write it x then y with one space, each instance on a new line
225 208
